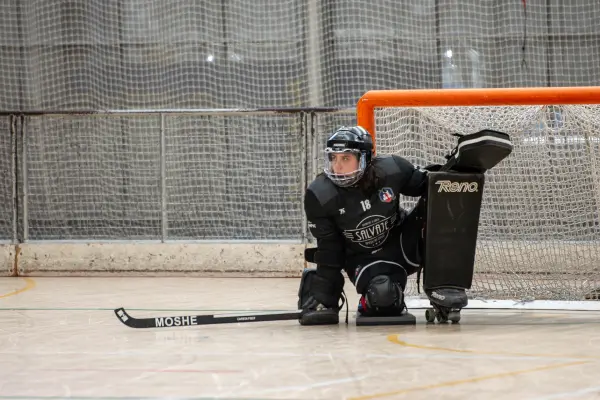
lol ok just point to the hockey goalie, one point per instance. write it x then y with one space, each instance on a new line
353 212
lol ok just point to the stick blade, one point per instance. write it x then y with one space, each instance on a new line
129 321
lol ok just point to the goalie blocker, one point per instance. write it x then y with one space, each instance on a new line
453 208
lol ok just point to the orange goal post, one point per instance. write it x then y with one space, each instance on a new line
539 236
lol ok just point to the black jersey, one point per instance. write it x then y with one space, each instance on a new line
347 223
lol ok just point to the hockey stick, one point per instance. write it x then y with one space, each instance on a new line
192 320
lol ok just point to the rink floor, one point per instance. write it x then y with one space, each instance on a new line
59 338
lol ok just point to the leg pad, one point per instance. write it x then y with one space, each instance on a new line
453 209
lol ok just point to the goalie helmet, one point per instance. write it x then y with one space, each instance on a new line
355 140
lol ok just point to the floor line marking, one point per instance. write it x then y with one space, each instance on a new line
467 380
394 339
29 284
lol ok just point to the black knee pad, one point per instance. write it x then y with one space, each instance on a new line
382 292
365 274
327 290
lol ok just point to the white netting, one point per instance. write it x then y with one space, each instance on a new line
241 53
234 178
223 178
539 230
92 178
7 165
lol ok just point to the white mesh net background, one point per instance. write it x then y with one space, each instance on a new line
92 177
6 179
241 176
234 178
539 225
226 178
237 53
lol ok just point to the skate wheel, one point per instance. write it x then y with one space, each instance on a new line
442 318
454 316
430 315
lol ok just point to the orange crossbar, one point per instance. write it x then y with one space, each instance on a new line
365 109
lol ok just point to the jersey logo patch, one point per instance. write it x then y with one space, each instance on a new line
372 231
386 195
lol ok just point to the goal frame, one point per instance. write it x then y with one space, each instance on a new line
542 96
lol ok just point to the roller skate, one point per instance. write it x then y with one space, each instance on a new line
446 304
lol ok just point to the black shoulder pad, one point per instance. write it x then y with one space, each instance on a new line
388 165
323 189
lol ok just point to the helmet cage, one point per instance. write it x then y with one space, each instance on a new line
350 178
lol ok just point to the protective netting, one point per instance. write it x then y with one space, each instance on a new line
223 178
539 234
7 167
92 178
283 53
235 178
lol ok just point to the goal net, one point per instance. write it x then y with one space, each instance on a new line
539 235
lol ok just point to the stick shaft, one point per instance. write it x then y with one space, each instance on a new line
193 320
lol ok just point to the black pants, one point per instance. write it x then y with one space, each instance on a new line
403 247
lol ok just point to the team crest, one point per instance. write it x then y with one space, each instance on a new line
386 195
